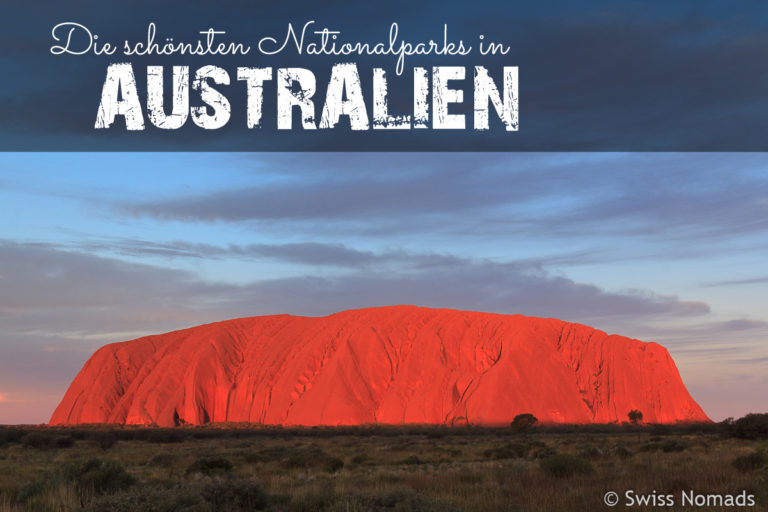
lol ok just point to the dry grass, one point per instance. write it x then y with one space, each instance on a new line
495 470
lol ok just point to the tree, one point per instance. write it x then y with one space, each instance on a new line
524 422
635 416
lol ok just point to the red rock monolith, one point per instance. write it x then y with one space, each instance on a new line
390 365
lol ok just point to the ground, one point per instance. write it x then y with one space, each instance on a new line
235 467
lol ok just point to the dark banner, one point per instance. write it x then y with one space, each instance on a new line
395 76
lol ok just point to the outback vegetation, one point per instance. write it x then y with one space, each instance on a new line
525 466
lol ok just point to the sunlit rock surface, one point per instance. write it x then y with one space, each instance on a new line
389 365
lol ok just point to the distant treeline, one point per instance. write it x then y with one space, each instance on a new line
751 426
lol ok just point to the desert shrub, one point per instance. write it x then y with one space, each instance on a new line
635 416
412 460
544 452
78 434
396 500
591 452
314 502
165 436
36 440
99 476
751 426
104 440
437 433
41 440
11 435
279 501
148 499
235 493
622 451
62 442
508 451
750 462
675 484
162 460
524 422
210 466
269 454
564 465
29 490
673 445
649 447
666 445
312 458
332 464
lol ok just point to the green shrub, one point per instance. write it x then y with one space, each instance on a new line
210 466
165 436
269 454
395 501
11 435
238 494
30 490
673 445
666 445
104 440
99 476
147 499
524 422
751 426
41 440
162 460
62 442
412 460
591 452
314 502
407 500
622 451
635 416
437 433
508 451
564 465
312 458
544 452
332 464
750 462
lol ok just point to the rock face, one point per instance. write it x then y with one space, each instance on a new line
388 365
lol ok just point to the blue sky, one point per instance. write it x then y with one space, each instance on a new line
103 247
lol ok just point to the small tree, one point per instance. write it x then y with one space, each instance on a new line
635 416
524 422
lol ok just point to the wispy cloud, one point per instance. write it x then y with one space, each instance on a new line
737 282
55 282
511 195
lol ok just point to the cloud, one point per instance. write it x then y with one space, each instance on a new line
737 282
755 360
658 197
307 253
65 291
743 324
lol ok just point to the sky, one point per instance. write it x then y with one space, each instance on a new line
103 247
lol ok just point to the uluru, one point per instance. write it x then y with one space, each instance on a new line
389 365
